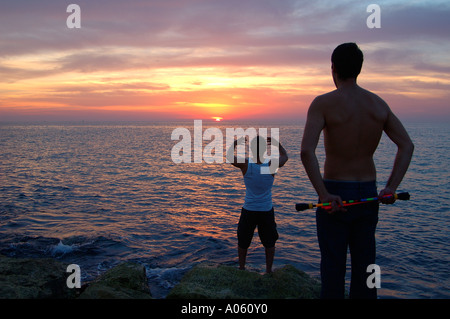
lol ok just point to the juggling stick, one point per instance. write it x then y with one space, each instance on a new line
304 206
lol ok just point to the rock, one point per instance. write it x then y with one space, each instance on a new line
125 281
41 278
30 278
208 281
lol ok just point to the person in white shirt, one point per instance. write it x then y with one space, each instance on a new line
257 210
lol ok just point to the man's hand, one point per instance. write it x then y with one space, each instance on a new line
336 203
387 191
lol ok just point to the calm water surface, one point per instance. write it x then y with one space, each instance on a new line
99 194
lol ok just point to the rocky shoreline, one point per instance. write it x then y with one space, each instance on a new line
46 278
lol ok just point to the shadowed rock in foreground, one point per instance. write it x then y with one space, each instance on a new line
42 278
226 282
125 281
46 278
31 278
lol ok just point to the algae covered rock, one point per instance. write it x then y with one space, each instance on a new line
125 281
208 281
33 278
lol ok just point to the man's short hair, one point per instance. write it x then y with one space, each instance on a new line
347 59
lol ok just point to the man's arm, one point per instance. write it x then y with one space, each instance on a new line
240 163
405 148
315 123
282 153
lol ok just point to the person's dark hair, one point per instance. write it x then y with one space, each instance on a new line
347 59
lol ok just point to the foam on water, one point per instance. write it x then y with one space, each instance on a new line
61 249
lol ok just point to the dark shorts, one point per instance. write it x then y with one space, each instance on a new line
267 228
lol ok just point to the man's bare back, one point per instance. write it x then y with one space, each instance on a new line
353 120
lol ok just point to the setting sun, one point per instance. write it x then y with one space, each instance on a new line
217 119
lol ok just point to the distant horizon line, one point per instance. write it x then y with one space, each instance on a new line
299 120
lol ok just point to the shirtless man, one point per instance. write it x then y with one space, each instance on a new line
353 120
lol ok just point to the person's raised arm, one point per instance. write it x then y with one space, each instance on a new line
283 156
234 160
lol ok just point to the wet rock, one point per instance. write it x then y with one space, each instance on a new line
32 278
225 282
125 281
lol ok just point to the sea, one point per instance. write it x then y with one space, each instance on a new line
96 194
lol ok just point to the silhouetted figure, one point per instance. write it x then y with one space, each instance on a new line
352 120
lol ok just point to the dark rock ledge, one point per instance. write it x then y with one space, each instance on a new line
40 278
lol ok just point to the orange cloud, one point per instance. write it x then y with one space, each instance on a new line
230 59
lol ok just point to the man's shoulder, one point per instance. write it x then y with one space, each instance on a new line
373 95
335 96
327 96
324 99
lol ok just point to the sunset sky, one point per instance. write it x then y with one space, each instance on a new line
199 59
